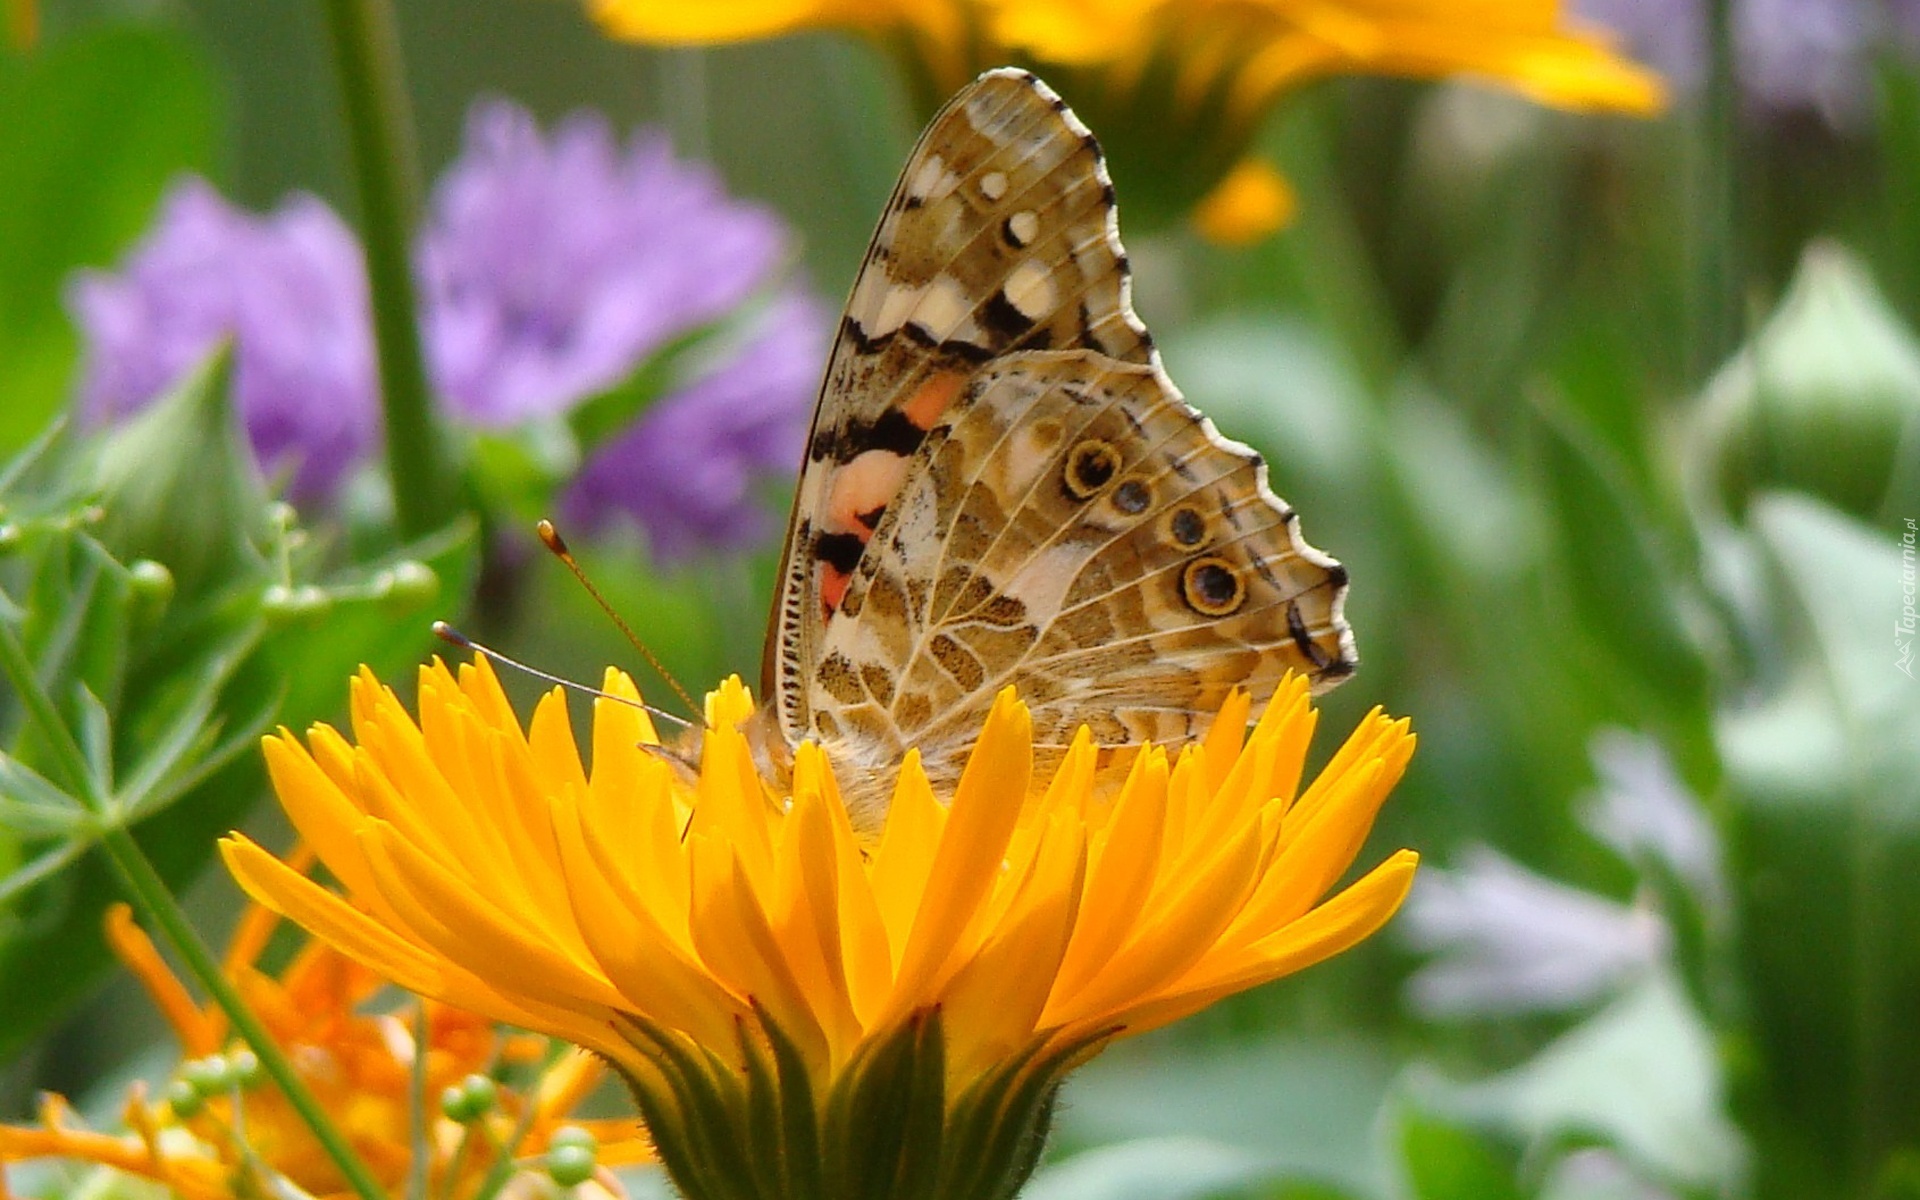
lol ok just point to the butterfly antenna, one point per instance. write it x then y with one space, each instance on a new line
454 637
551 538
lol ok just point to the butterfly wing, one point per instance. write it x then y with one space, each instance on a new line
1075 529
999 237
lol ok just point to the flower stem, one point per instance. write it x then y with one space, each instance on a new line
366 51
150 897
1718 298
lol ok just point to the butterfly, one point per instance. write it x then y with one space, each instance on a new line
1002 486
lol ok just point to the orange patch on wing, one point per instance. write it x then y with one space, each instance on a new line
833 587
932 398
860 487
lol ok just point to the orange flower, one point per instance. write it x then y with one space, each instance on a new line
221 1132
1176 89
740 954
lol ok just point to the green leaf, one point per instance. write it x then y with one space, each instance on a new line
1306 1108
1170 1168
1643 1076
1447 1162
1823 767
96 124
1630 584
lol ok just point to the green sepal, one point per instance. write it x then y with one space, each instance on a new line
757 1129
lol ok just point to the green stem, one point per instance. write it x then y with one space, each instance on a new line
150 896
501 1171
366 50
1719 299
68 759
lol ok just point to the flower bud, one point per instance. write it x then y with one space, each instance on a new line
152 586
470 1099
571 1156
1819 400
185 1099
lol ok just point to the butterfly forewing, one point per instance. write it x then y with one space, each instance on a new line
1000 235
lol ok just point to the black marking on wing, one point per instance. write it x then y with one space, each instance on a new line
1003 317
841 551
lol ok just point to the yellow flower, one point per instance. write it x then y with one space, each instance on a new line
743 958
1252 202
221 1133
1176 88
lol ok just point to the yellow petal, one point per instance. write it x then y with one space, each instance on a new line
992 790
904 861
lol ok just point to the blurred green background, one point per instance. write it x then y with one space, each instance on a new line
1615 422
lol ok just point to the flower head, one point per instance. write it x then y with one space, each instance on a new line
221 1132
289 289
1176 88
551 267
759 971
689 471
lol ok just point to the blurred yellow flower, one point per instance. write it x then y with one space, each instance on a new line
1176 88
1252 202
221 1132
740 954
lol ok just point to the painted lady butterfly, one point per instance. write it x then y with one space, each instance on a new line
1002 486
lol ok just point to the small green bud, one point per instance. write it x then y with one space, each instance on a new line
210 1075
570 1164
185 1099
9 537
152 585
470 1099
246 1067
282 516
574 1135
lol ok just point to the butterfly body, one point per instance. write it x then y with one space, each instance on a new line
1002 486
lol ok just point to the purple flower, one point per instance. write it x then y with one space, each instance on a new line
1511 941
551 267
289 289
688 469
1646 813
1791 55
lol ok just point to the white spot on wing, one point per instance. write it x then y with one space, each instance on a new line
993 184
1030 289
1024 227
879 306
932 181
945 306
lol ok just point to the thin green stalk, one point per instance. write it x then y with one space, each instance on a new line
366 52
150 898
418 1130
503 1162
1719 299
69 761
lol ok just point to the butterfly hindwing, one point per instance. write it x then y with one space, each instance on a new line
1078 531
